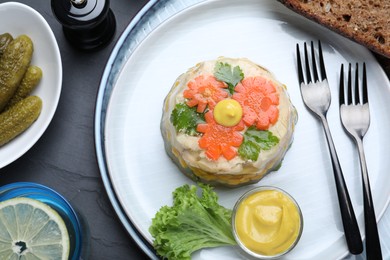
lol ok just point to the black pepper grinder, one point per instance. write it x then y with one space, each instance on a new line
87 24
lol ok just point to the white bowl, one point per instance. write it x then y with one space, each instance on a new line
254 255
17 19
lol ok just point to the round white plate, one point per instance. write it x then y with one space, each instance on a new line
17 19
143 177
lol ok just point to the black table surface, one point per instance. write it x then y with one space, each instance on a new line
64 157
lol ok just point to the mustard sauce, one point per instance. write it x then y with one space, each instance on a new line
268 222
228 112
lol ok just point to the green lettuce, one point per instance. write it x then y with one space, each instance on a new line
192 223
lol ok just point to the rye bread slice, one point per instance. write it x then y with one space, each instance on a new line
366 22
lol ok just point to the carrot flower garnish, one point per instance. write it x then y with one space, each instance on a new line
205 91
259 100
219 140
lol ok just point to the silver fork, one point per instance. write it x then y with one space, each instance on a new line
316 96
355 117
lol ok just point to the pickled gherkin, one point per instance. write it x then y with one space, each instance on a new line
5 40
18 118
13 65
29 82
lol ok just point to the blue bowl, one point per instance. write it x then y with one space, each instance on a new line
54 200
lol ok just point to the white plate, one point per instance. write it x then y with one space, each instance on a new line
17 19
142 175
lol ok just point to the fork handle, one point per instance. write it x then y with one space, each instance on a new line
373 246
351 228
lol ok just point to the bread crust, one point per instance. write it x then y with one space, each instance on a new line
363 21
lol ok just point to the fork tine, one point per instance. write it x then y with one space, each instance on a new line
357 92
299 64
365 94
322 63
341 93
349 90
314 63
308 75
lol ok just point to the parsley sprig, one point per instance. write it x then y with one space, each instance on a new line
254 141
231 76
185 119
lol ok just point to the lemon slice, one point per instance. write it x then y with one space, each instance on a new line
30 229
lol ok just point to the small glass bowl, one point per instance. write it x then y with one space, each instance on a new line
248 251
58 203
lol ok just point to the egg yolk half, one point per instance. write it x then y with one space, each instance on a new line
228 112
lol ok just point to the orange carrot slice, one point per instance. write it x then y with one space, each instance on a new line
219 140
203 91
259 100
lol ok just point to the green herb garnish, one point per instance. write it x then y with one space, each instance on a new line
225 73
255 141
192 223
185 119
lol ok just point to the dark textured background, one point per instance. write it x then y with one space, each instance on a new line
64 157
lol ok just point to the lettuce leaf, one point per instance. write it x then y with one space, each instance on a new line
192 223
255 141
